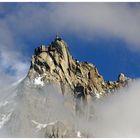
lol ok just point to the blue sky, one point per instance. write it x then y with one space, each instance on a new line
105 34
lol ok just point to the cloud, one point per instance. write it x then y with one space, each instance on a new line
119 20
118 115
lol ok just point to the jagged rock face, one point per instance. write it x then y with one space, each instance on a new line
121 82
54 63
27 110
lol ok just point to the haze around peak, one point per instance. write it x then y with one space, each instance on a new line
113 116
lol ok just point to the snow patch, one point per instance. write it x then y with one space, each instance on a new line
2 104
79 134
39 126
98 96
18 81
38 81
4 118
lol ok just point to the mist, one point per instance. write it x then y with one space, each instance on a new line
28 110
118 115
25 108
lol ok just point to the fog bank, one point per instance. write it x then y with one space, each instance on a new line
28 110
118 115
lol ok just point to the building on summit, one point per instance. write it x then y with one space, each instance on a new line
40 49
44 48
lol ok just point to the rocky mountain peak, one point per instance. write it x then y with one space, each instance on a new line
55 99
54 64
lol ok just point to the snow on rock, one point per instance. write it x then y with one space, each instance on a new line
18 81
38 81
97 95
4 118
79 134
39 126
2 104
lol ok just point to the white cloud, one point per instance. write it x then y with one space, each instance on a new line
119 20
118 115
100 19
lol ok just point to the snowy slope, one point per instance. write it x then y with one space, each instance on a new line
34 110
